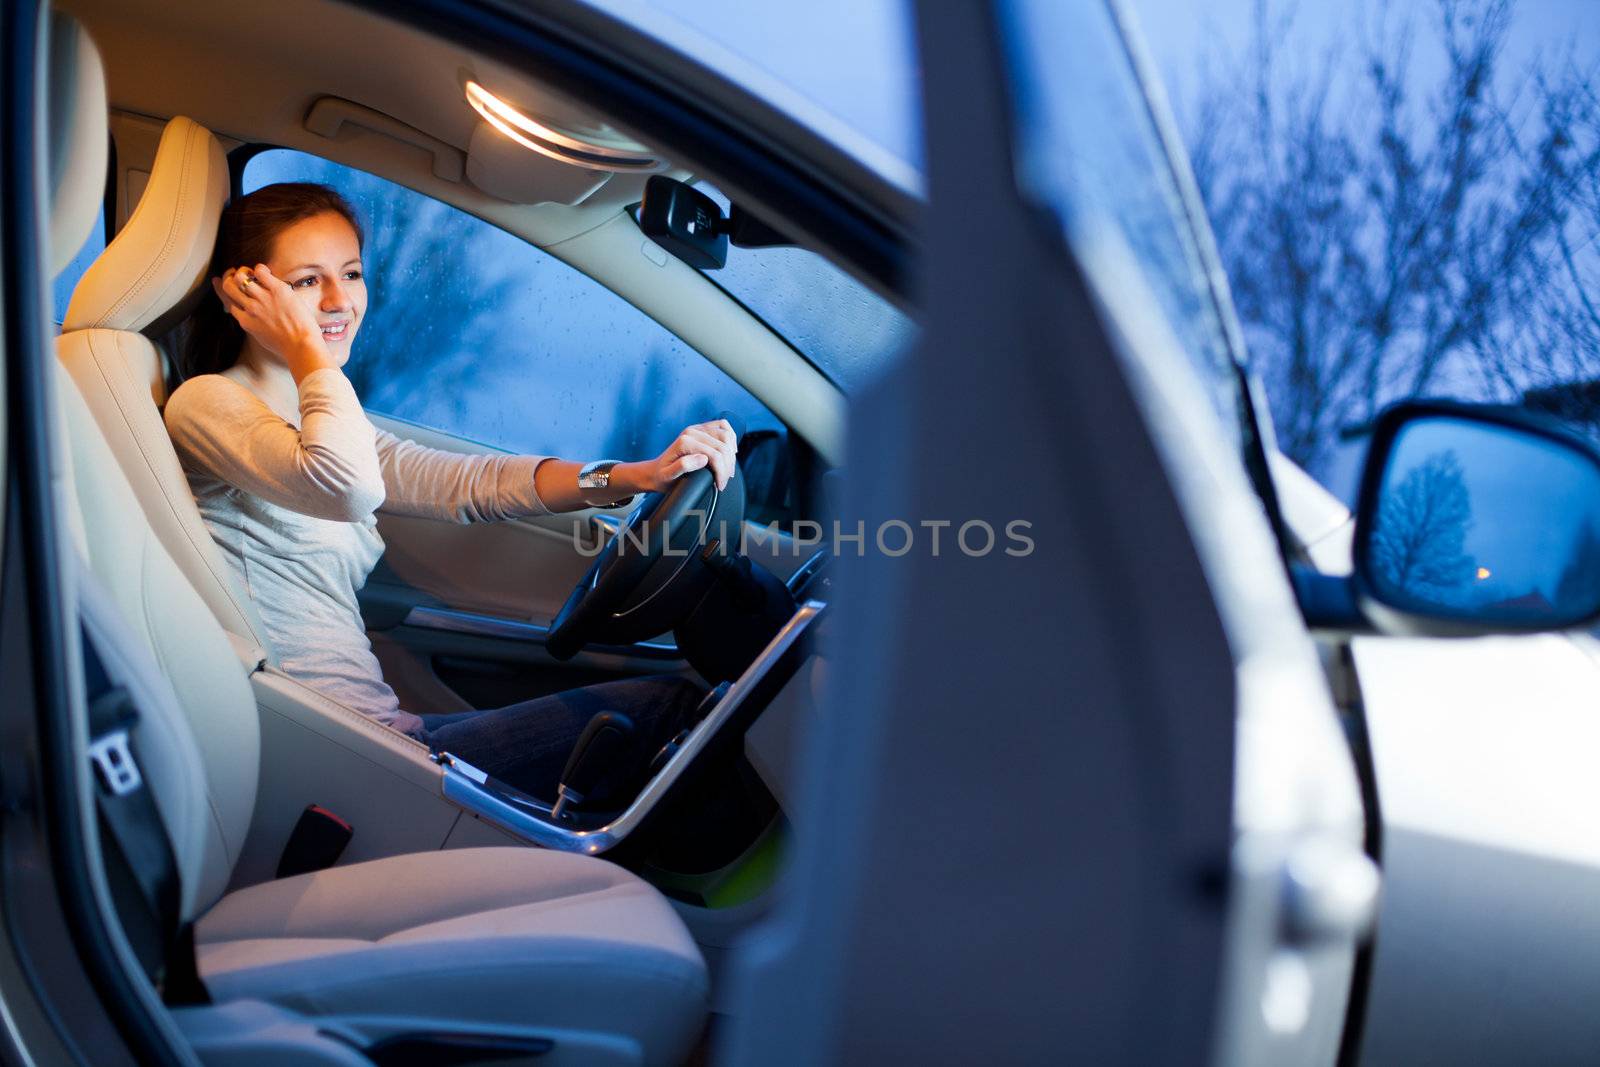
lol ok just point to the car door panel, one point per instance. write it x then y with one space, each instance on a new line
1012 860
1483 752
457 612
519 568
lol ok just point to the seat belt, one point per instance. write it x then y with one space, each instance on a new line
140 863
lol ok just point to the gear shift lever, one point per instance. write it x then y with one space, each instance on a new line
606 754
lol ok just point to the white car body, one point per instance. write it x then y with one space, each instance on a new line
1483 753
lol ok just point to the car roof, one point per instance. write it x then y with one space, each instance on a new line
862 94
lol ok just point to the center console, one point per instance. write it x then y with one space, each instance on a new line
739 704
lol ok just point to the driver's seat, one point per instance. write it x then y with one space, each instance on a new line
147 279
497 942
314 750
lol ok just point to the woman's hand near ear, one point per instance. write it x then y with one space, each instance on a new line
268 311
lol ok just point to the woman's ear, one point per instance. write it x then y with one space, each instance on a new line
216 287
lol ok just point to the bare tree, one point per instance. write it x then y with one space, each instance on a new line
436 301
1386 237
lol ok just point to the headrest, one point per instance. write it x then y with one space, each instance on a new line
160 256
78 138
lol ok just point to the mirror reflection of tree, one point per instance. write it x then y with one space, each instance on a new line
1418 543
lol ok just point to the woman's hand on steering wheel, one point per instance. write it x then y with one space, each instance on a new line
647 580
705 443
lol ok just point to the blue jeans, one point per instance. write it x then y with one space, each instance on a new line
526 745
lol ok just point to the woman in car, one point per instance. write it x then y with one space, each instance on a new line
288 473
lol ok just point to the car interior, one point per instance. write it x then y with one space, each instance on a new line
451 909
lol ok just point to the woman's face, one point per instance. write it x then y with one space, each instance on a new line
320 260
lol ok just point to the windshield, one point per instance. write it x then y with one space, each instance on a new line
843 328
1091 150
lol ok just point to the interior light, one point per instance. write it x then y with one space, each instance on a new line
547 141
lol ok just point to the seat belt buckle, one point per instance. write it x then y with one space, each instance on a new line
112 756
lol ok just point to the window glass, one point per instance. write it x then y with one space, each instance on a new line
845 329
1092 148
1406 199
473 331
67 280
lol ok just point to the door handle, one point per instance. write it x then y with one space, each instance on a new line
597 531
1330 892
594 534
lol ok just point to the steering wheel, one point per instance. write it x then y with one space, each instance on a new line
652 572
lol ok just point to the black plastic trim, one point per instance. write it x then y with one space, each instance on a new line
446 1048
1327 601
1355 1018
108 209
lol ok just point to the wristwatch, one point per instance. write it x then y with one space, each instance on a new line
597 475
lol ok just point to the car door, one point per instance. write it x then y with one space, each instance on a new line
1055 811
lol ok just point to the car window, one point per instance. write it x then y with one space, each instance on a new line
473 331
845 329
67 280
1093 152
1406 199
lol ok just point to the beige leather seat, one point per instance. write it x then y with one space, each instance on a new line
146 279
504 940
513 940
315 751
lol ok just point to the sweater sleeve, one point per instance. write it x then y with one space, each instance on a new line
454 486
328 468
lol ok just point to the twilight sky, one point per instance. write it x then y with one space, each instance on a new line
854 57
1180 33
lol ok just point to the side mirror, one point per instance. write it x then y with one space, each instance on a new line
1476 519
764 462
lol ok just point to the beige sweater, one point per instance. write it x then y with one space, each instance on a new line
291 502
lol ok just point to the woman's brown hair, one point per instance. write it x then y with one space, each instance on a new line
211 339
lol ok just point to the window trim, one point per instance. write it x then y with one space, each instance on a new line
1256 425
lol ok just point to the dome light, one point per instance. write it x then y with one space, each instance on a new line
547 141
